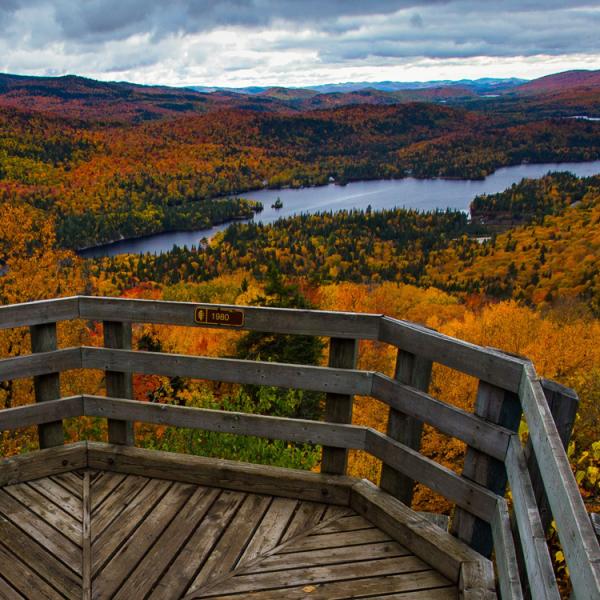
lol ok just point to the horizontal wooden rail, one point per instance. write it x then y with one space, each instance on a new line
40 312
475 431
572 522
478 433
484 363
466 494
41 363
273 320
275 428
317 379
508 373
38 414
470 496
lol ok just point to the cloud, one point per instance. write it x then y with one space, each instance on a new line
288 41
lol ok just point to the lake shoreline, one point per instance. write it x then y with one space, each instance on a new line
424 194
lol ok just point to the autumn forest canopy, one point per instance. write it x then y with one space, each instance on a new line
83 163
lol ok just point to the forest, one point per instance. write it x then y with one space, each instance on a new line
103 181
521 272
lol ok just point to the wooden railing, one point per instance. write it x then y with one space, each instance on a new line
539 476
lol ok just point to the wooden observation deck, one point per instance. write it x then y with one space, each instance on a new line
93 520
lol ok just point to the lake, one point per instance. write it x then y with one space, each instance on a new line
421 194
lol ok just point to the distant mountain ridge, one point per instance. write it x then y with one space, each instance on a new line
565 94
483 84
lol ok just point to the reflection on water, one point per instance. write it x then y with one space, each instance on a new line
421 194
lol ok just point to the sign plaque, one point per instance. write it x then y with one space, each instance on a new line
222 317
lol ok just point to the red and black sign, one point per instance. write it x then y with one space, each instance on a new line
224 317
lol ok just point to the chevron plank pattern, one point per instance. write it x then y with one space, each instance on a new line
105 535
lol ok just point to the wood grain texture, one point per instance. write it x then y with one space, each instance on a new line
275 320
475 431
538 564
427 541
412 371
500 407
279 428
576 534
39 312
484 363
226 474
119 384
318 379
343 354
470 496
46 387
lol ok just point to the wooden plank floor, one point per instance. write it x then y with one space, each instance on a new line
108 535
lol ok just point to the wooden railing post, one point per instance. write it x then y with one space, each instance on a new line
563 403
343 353
414 371
503 408
119 384
47 387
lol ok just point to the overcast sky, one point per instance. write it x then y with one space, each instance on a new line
284 42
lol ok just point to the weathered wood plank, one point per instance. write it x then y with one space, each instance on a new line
413 371
340 539
318 379
563 403
275 320
477 581
317 575
86 541
270 530
39 560
142 579
307 516
469 496
128 555
46 510
350 523
343 354
116 503
45 412
24 579
501 408
401 587
119 384
46 387
258 479
576 535
38 529
328 556
484 363
39 312
538 563
54 492
275 428
225 554
71 482
104 487
175 581
7 592
448 419
43 463
505 553
38 364
120 529
433 545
